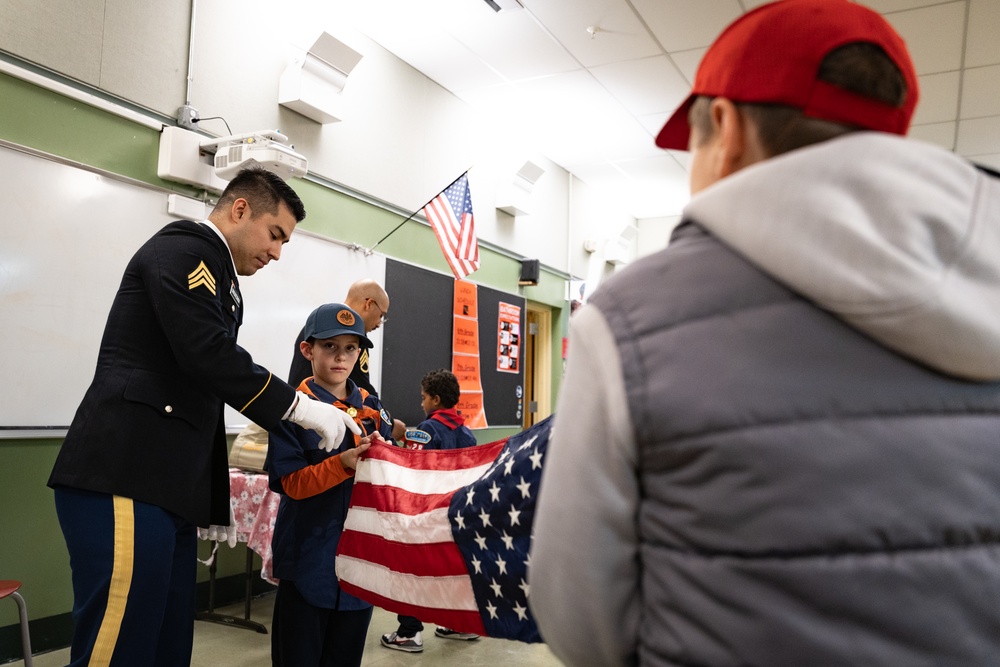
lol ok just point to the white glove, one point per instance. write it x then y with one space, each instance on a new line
331 423
221 533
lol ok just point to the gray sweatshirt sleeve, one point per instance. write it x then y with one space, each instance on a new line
584 567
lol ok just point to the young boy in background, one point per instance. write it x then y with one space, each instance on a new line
315 622
444 428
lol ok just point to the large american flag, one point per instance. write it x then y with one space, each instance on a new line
450 215
445 535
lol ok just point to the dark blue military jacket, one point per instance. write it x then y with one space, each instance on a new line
150 426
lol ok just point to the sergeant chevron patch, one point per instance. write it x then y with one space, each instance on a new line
201 276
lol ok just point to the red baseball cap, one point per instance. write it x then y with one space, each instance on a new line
772 55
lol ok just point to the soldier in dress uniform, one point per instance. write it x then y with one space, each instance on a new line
144 462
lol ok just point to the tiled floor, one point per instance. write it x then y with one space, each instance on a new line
217 645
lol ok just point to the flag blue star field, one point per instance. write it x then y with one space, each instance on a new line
450 215
444 535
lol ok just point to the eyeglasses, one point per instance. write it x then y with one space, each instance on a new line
384 317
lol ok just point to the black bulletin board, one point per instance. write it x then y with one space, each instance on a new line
417 339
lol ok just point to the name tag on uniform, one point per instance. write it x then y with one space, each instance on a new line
235 294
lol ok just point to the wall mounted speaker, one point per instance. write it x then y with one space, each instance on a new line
529 272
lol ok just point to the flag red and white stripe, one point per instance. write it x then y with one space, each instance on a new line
450 215
406 559
444 535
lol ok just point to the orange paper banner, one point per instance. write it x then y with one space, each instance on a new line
465 354
466 299
465 336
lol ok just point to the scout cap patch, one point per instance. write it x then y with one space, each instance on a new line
201 276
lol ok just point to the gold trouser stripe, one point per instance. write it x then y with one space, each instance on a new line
121 581
258 394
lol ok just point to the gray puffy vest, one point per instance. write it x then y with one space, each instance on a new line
809 497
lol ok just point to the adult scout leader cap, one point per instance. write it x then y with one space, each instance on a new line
772 55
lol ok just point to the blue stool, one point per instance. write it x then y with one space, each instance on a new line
9 588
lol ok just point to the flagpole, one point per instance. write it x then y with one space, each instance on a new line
410 217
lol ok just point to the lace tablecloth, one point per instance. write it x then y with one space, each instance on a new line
254 507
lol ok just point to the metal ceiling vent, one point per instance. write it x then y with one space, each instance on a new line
504 5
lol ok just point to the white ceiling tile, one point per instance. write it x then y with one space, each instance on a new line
688 61
591 139
982 46
687 24
654 122
646 191
942 134
886 6
644 86
516 46
564 92
572 117
412 23
978 136
933 35
414 26
457 16
618 33
981 92
683 158
657 182
494 100
662 167
591 173
938 98
453 66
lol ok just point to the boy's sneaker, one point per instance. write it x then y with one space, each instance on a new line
454 634
414 644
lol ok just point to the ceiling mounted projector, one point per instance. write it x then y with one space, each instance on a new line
265 148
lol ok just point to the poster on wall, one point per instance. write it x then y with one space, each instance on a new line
508 338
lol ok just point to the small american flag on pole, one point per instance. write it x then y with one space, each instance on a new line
450 215
445 534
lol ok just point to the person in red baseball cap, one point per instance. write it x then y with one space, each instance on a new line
787 420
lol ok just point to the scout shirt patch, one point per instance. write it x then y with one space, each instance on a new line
385 416
416 435
201 276
414 438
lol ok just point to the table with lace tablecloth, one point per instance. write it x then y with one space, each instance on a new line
254 508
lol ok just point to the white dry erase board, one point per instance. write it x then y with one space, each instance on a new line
68 234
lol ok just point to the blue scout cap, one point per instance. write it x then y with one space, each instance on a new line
335 319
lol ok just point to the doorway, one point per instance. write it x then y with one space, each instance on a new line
537 364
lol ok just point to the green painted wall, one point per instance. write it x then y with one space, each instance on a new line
32 549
